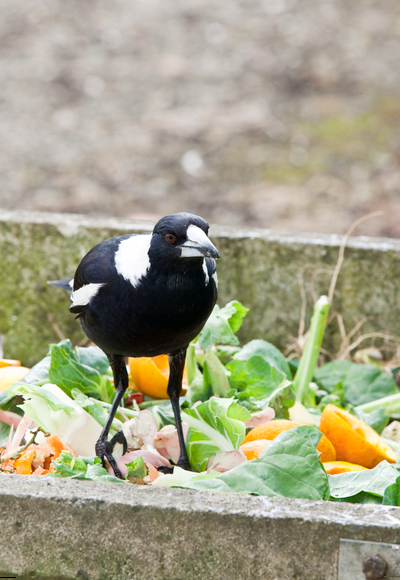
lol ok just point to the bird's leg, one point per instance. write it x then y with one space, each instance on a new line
104 448
176 365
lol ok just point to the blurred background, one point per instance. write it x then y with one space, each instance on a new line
281 114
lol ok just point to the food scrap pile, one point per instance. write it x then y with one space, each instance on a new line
254 421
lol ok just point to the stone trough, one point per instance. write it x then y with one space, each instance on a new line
59 530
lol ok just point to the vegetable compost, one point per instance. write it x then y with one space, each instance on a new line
254 421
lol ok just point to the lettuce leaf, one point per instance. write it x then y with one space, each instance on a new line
82 468
67 373
289 467
256 377
215 425
39 373
268 352
51 409
136 468
391 495
257 384
372 481
222 324
4 433
96 409
362 383
281 400
215 375
90 356
181 476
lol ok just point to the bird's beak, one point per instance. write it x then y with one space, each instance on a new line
198 244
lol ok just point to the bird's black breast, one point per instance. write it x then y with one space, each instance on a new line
161 314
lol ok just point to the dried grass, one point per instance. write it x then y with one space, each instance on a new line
389 343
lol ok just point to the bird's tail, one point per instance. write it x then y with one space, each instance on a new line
66 283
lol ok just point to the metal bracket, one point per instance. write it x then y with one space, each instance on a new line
368 560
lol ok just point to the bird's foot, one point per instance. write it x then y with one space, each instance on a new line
165 469
105 448
183 462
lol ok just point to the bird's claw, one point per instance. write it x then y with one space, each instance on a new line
105 448
165 469
183 462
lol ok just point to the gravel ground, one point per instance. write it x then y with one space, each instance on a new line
282 114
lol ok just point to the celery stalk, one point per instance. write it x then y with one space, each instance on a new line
312 348
191 364
391 404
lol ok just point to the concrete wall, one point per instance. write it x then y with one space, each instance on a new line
258 267
64 530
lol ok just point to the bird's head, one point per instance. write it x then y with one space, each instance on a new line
183 236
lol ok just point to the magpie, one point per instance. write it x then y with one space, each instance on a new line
145 295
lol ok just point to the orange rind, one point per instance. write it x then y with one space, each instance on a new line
273 428
9 362
336 467
10 374
150 376
253 449
354 441
23 465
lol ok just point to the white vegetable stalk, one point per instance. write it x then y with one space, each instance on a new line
75 427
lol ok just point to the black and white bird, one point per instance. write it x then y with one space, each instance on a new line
145 295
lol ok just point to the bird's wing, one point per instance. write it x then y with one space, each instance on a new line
95 270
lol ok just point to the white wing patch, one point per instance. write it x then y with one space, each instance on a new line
132 258
83 295
205 269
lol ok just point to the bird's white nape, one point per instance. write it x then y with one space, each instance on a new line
83 295
132 258
215 278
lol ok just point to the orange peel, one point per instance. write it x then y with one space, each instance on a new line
354 441
335 467
273 428
252 449
10 374
150 376
9 362
23 465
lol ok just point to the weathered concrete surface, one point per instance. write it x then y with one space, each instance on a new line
52 529
258 267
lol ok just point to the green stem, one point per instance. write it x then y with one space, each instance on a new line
191 364
391 404
309 359
18 451
149 404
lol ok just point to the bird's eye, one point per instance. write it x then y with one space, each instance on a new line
170 238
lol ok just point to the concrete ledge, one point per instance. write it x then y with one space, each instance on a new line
258 267
52 529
